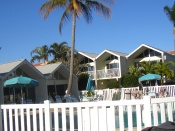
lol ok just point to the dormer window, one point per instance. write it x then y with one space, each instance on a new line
148 53
86 60
112 57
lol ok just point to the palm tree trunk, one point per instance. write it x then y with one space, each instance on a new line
72 54
174 37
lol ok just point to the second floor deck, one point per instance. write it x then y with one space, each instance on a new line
104 74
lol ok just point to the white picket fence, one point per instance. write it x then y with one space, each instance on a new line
87 116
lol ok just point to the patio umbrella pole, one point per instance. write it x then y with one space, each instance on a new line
27 92
21 95
55 87
14 94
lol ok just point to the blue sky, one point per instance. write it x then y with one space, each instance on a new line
132 23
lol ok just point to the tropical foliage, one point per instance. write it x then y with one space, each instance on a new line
59 52
170 11
135 71
74 9
40 53
129 81
147 67
164 70
161 68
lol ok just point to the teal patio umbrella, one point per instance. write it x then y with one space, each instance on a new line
21 82
90 84
150 77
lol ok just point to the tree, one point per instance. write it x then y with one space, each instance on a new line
74 9
59 51
40 53
163 69
171 14
134 71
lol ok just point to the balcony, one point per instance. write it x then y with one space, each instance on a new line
109 73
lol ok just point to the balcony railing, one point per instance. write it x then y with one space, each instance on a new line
109 73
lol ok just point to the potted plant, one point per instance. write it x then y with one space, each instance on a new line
90 95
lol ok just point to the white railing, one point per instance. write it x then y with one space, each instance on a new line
87 116
109 94
169 88
108 73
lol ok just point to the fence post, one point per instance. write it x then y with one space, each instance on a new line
48 121
1 118
147 111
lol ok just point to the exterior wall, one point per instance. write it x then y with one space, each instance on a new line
130 62
57 82
101 84
168 57
1 92
123 65
100 65
41 90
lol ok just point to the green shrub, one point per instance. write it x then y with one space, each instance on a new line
113 84
129 81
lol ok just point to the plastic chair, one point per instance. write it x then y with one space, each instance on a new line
58 99
50 99
74 99
68 99
29 101
41 100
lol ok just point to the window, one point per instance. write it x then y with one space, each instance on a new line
91 68
148 52
113 65
112 57
86 60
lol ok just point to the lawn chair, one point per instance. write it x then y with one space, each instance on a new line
29 101
58 99
41 100
74 99
50 99
67 99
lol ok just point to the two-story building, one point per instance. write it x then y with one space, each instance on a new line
103 67
111 65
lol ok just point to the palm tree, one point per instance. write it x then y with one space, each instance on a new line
75 8
40 53
135 71
171 14
163 69
147 67
59 51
